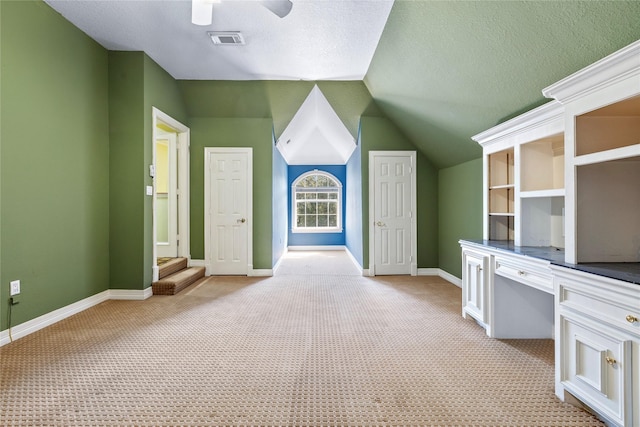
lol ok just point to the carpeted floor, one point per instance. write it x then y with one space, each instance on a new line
296 350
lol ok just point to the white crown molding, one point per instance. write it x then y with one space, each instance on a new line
533 119
620 65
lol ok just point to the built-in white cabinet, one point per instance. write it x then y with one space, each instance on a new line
561 230
598 325
474 273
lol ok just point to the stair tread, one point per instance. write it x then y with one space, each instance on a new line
176 282
182 274
172 266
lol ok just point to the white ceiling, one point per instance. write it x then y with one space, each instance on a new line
318 40
316 135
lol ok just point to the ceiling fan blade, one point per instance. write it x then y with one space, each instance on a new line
201 12
279 7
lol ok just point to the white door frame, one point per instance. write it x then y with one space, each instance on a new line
207 203
183 142
372 199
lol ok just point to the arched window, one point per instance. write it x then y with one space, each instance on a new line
317 203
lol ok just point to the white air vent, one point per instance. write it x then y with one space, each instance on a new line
229 37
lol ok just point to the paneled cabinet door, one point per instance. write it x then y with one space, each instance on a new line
474 285
597 367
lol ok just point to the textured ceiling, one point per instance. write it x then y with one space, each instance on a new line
317 40
442 70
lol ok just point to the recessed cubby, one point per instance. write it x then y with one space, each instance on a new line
501 165
542 164
608 128
608 211
501 195
542 221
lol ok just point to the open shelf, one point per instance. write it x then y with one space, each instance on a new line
608 128
542 164
501 195
608 218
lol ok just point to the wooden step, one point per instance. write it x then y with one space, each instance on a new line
172 266
176 282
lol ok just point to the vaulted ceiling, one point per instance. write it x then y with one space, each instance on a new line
442 71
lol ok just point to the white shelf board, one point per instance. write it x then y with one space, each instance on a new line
557 192
501 214
498 187
605 156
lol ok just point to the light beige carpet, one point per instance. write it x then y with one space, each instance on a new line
333 263
295 350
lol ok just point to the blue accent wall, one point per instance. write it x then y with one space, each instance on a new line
353 206
280 211
317 239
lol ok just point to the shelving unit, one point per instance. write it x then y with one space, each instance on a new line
501 195
524 178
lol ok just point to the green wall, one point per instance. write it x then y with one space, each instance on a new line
460 211
381 134
234 132
55 161
136 84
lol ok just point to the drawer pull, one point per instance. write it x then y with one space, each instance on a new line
521 273
610 360
479 268
631 319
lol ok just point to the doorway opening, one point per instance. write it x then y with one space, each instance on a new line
170 173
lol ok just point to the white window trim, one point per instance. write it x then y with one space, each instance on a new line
294 214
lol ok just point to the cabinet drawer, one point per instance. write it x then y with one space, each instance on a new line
597 367
619 312
526 273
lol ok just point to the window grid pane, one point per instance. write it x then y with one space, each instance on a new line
316 202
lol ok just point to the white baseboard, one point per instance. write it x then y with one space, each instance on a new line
450 278
261 272
197 263
354 260
317 248
277 266
440 273
428 272
52 317
130 294
62 313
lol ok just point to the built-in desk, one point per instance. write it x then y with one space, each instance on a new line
507 289
591 310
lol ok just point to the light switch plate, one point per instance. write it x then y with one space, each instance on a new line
149 190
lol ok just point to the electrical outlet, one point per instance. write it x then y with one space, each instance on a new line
15 287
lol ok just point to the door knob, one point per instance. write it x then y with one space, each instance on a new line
242 220
381 224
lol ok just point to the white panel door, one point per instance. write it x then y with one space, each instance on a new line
392 214
228 211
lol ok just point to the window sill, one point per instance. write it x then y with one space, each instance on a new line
316 230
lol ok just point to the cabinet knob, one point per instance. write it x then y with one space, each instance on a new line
631 319
521 273
610 360
479 268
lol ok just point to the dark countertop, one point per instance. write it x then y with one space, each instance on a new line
625 271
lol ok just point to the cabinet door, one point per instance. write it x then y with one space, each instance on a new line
474 283
597 366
